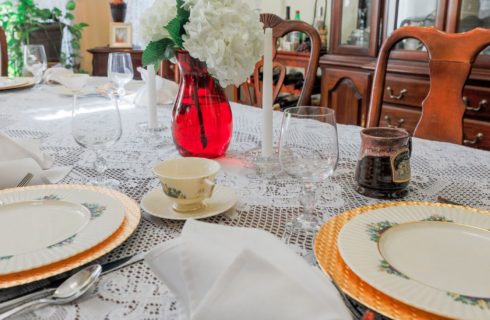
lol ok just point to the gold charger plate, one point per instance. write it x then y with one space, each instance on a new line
129 225
330 261
27 83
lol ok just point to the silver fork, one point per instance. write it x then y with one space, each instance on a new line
25 181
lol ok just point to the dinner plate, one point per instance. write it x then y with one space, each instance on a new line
157 204
40 227
435 258
7 83
130 222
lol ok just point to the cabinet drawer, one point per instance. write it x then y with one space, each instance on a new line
477 100
399 117
477 134
405 91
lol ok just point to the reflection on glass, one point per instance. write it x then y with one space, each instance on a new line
356 19
415 13
474 14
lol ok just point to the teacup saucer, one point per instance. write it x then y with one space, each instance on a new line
157 204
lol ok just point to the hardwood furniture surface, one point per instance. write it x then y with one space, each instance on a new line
451 57
3 54
348 69
101 56
281 28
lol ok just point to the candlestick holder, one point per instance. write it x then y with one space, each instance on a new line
262 165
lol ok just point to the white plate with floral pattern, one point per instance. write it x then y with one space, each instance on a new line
40 227
435 258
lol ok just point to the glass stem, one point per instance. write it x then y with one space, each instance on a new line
100 165
308 199
74 102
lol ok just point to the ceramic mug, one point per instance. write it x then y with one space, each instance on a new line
187 181
383 167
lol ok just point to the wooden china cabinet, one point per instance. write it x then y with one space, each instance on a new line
357 30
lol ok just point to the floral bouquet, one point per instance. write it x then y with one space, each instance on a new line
226 35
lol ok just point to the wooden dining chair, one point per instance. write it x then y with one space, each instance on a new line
451 56
3 54
280 28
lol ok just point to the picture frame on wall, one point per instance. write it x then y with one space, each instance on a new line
121 35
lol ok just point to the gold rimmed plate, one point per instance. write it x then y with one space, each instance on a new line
402 258
7 83
129 221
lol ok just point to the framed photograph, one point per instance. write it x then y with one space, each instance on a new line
121 35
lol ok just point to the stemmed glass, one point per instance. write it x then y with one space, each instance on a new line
97 126
35 61
308 151
120 71
75 83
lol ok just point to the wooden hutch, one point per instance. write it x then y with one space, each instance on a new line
355 38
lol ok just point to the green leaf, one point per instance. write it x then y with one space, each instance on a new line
174 29
182 13
157 51
69 16
71 5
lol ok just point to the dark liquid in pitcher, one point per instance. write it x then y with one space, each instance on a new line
375 173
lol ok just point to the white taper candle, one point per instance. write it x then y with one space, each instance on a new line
267 96
152 97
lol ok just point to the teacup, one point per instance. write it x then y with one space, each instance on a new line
187 181
383 168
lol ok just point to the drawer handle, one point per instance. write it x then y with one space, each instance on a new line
475 141
483 103
400 96
398 125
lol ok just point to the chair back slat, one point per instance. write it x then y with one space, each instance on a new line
3 54
280 28
450 61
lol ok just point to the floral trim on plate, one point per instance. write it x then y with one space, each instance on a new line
375 230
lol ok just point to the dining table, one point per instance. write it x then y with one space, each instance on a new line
265 201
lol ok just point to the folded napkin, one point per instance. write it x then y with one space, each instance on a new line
220 272
53 74
166 90
20 157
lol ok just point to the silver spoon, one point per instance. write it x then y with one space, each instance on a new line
70 290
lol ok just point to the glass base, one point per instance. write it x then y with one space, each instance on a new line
304 223
143 127
263 166
106 183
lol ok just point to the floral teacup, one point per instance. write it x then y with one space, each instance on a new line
187 181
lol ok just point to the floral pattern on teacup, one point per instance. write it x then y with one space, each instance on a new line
173 193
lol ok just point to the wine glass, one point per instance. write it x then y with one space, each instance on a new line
35 61
308 151
96 125
120 71
75 83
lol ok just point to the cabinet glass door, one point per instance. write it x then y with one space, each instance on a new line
356 21
411 13
474 14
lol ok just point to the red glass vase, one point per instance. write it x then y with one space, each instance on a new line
202 122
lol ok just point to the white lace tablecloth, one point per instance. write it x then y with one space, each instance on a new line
439 169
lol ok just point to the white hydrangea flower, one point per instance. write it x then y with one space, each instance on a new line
155 18
227 35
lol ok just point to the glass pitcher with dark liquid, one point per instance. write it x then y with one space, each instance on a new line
383 167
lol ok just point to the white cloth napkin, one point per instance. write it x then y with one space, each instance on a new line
220 272
52 74
166 90
20 157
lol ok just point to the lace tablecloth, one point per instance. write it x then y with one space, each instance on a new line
439 169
